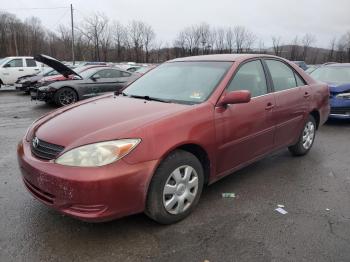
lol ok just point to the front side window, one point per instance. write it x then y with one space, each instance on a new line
282 75
15 63
182 82
30 62
251 77
108 73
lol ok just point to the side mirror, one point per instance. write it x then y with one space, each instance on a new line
75 77
235 97
7 65
95 77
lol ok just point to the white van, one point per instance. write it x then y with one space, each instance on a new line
13 67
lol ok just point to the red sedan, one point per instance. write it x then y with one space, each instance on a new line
183 125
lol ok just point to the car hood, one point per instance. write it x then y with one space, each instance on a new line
101 119
33 78
55 64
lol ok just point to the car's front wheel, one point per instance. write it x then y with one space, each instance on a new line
175 188
65 96
306 139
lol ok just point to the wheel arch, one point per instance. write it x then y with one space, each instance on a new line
198 151
316 116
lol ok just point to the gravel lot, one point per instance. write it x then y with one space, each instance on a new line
314 189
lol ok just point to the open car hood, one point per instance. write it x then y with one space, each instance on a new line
55 64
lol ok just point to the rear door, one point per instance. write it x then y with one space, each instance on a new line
245 131
291 101
31 66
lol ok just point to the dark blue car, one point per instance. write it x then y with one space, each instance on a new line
337 76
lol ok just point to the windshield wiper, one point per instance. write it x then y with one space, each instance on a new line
149 98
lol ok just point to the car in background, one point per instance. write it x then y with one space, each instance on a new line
59 77
91 82
24 83
337 76
144 69
311 68
187 123
13 67
301 64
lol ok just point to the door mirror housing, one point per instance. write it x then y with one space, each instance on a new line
235 97
6 66
95 77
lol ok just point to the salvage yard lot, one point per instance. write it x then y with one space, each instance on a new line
314 189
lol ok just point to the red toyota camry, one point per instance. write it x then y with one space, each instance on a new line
183 125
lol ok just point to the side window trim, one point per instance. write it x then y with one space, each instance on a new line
268 86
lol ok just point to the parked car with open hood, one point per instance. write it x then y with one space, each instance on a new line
91 82
13 67
189 122
24 83
59 77
337 76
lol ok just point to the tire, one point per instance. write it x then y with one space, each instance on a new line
183 190
306 139
65 96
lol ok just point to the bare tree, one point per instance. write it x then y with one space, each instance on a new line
94 29
229 37
148 38
277 45
294 51
307 41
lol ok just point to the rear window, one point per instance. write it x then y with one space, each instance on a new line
31 63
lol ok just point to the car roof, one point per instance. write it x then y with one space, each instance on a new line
219 57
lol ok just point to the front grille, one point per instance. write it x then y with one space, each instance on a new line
340 110
44 149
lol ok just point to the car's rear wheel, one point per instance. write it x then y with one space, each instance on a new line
65 96
175 188
306 139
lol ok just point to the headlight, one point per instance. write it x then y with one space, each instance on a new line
98 154
343 95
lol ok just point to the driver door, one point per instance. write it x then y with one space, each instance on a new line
245 131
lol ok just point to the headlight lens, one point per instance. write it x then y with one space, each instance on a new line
98 154
343 95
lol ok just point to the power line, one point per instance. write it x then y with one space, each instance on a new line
34 8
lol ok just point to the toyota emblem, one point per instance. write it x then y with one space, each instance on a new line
35 142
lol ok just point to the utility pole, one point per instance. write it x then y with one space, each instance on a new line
71 16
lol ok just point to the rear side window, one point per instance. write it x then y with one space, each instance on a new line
15 63
282 75
30 63
250 76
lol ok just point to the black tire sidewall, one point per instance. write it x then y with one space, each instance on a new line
299 149
59 91
154 206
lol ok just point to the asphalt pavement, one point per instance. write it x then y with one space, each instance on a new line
314 189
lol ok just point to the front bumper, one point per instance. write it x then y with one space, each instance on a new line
39 95
340 108
89 194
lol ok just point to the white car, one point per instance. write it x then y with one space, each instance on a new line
13 67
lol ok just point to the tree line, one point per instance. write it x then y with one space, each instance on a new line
97 38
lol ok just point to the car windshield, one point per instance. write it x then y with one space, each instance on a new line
332 74
182 82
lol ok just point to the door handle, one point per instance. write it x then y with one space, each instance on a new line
306 95
20 69
269 106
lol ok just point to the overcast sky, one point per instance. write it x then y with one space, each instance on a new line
323 18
